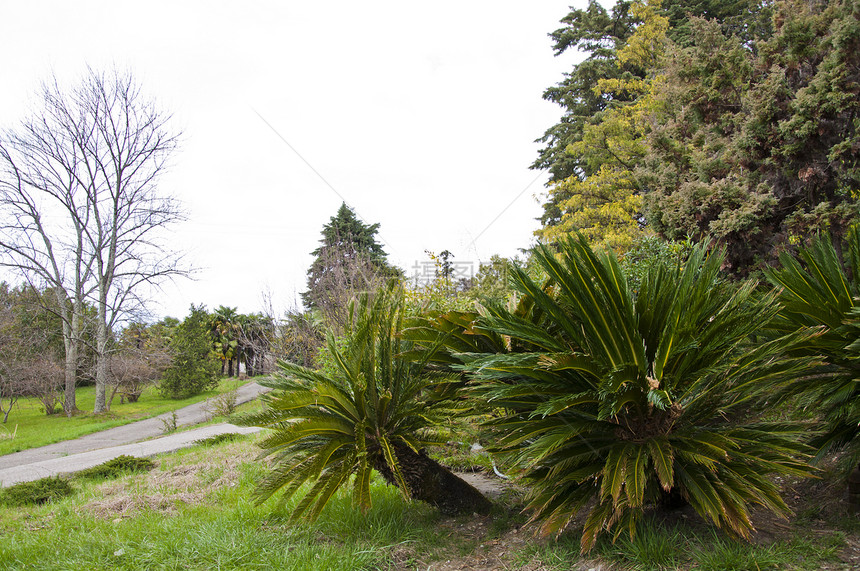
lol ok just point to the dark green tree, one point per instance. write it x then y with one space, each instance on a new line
756 146
194 367
602 34
349 260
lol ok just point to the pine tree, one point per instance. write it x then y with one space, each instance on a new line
349 260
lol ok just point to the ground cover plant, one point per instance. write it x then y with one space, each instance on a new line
116 467
618 400
36 492
32 428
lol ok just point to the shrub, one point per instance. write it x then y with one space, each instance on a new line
371 412
219 438
223 404
37 492
119 466
819 292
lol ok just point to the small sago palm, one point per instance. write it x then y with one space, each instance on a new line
616 401
375 411
817 290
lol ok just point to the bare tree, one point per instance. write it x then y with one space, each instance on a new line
11 361
92 156
340 274
27 366
132 370
43 215
42 378
254 336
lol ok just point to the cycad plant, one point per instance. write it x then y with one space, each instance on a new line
616 401
376 410
818 290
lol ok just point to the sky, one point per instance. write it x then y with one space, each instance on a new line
421 116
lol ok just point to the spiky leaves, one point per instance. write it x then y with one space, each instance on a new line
371 413
623 401
817 290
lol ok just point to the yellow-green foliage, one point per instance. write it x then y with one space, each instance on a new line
606 206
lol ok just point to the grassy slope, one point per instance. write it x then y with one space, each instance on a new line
195 511
32 428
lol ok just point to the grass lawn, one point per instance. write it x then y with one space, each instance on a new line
29 426
195 511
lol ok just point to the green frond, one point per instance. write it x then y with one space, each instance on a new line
393 465
662 457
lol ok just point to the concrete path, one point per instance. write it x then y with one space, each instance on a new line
130 439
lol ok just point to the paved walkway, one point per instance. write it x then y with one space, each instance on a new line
130 439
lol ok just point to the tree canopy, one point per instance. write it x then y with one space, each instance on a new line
727 121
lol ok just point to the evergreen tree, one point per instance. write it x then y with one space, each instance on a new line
580 145
349 260
194 367
599 33
757 145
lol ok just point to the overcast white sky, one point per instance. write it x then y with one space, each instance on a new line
420 115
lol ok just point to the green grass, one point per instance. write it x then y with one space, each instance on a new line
653 548
33 428
206 520
194 511
658 547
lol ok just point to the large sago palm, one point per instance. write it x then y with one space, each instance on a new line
818 290
618 400
374 411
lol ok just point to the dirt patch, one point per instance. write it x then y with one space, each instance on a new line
490 554
492 551
129 505
166 489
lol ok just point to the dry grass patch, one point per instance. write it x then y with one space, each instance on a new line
187 479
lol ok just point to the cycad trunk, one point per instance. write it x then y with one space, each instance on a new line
854 490
429 481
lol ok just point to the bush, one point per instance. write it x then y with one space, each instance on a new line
223 404
219 438
37 492
193 369
119 466
821 292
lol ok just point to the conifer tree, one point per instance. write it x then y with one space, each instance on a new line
349 260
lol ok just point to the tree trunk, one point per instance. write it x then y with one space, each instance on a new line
854 490
429 481
70 406
71 344
101 360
